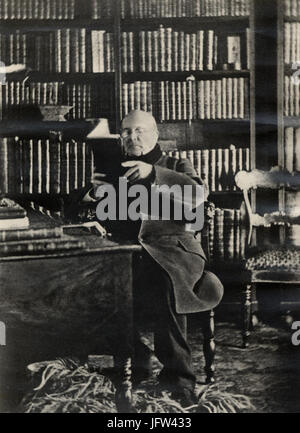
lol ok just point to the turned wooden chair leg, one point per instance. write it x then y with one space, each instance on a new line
246 315
209 347
254 308
123 395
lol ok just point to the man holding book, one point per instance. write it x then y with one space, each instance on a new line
169 279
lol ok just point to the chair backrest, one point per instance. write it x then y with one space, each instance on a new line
273 179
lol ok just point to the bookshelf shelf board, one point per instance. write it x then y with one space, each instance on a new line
169 75
46 25
292 19
291 121
228 192
41 129
288 70
70 76
189 22
239 122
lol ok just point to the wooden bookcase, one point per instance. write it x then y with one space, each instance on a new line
210 125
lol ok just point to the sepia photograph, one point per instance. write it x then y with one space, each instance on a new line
149 208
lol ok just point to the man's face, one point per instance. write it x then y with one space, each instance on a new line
139 134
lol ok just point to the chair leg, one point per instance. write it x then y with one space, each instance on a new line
254 308
246 315
209 347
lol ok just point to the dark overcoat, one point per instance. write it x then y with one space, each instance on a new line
175 248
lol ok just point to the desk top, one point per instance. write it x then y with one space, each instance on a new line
94 244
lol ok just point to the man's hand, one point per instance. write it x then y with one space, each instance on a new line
137 170
96 180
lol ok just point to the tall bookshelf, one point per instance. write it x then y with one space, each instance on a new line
190 62
289 105
86 54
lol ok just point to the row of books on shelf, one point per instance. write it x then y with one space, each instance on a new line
292 149
217 167
226 98
183 8
291 43
291 96
292 8
50 166
167 49
85 100
44 166
227 236
96 9
81 50
62 50
37 9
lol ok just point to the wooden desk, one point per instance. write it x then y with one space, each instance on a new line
68 304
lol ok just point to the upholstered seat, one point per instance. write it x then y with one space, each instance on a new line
279 259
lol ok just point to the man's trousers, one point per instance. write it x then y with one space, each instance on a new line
154 305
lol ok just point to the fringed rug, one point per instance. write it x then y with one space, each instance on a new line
65 386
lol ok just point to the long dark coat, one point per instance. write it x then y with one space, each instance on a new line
175 249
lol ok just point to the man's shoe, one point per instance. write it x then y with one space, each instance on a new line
185 397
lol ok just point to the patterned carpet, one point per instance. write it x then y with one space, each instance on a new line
268 372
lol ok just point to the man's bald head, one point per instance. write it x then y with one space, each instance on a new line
139 133
139 116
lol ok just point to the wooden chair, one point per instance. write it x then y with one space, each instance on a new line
273 263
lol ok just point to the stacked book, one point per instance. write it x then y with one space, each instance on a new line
34 241
12 215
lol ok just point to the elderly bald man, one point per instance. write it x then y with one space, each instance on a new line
170 280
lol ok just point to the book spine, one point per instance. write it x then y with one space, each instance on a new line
297 149
229 234
212 170
237 234
162 49
55 166
155 49
219 234
143 95
73 176
142 51
64 168
21 235
168 44
289 148
3 166
205 166
40 246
